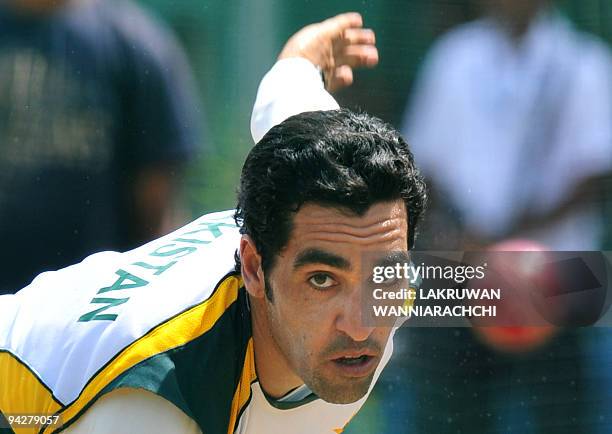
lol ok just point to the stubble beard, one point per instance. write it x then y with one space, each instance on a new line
343 391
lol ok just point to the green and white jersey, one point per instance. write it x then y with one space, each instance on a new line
152 317
170 317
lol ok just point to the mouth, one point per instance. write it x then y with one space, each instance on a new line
355 366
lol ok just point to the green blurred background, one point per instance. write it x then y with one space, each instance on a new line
231 44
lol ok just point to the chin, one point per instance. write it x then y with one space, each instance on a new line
345 393
344 398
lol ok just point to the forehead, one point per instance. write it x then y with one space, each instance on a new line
383 227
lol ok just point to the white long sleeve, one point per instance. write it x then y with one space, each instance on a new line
291 87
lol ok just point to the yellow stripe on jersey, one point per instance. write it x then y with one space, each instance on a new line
175 332
243 390
25 393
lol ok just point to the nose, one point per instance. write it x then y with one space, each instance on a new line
349 320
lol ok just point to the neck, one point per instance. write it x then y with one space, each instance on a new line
275 375
517 25
516 30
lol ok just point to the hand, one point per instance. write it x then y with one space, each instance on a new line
336 45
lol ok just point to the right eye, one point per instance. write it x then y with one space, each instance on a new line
321 281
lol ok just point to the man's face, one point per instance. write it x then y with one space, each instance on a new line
317 282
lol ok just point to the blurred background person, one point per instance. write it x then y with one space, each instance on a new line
97 117
511 120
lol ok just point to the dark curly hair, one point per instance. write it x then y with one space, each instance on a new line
336 158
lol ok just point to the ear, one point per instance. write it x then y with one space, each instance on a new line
251 270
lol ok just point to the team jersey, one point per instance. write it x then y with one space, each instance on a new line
171 317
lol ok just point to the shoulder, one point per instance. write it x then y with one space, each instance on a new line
94 311
134 411
450 62
591 53
139 32
583 55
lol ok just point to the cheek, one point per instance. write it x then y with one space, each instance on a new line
304 315
301 304
307 325
381 335
304 319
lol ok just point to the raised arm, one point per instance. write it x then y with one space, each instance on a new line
317 59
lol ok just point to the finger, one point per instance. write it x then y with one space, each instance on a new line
341 76
336 26
357 56
354 36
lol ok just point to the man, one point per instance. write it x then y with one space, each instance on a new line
525 100
97 117
180 336
511 123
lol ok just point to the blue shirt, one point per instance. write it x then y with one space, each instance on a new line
89 95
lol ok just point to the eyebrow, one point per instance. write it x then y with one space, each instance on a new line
394 258
318 256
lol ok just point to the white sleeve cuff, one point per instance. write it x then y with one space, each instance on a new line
291 87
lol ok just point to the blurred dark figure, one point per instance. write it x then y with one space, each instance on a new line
511 122
97 117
